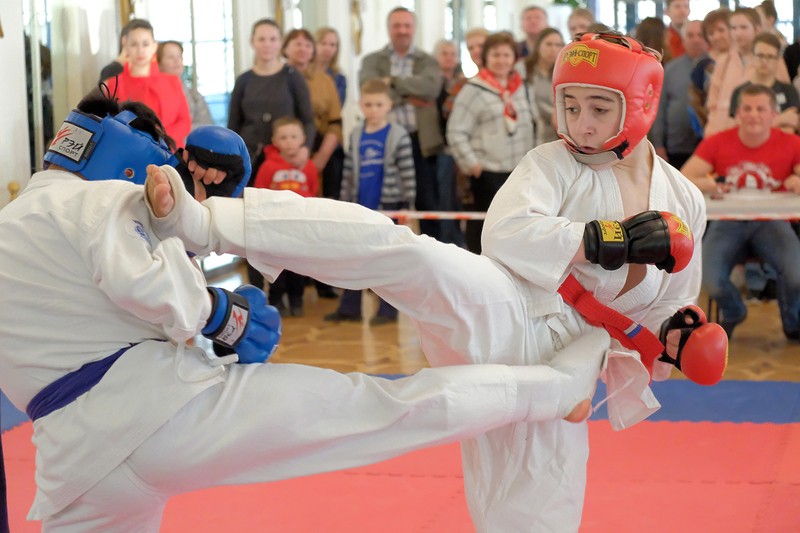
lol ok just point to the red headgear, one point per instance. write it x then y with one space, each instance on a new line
623 66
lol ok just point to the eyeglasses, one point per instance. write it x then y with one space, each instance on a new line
765 57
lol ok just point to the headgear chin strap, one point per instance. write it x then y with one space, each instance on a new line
106 148
624 67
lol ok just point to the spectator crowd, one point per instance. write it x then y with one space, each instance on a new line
431 139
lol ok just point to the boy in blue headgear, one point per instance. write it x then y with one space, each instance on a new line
96 316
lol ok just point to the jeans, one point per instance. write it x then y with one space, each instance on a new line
446 181
427 188
727 243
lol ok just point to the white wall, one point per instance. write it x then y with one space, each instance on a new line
85 37
14 158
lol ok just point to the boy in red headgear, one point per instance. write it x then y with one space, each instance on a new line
582 236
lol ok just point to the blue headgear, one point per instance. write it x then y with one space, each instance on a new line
106 148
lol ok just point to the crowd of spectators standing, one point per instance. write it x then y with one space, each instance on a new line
462 137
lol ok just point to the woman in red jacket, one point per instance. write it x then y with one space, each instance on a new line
141 81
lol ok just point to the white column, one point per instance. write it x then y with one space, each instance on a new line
430 24
245 13
14 159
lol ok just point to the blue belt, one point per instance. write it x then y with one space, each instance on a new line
67 388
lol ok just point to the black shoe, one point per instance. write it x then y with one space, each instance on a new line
728 326
296 310
379 320
792 335
326 292
770 291
281 309
336 316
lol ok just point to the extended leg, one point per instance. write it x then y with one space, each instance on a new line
270 422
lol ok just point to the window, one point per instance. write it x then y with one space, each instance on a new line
207 37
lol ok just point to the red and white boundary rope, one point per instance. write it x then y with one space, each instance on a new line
405 215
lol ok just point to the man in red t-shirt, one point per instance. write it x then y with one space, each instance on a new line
751 156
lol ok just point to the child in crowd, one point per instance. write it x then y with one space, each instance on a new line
378 174
141 81
288 138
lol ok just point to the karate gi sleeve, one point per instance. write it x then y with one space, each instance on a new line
153 280
523 229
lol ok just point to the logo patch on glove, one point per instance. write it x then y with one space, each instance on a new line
235 327
611 231
682 228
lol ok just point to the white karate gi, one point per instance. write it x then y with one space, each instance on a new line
84 275
473 309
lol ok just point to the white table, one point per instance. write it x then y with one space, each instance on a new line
733 206
754 206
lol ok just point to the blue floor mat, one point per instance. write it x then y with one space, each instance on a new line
776 402
10 416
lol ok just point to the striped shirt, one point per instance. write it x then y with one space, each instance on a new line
403 67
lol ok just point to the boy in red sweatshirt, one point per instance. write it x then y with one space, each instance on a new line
276 173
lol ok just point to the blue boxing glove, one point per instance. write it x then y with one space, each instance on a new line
242 321
219 148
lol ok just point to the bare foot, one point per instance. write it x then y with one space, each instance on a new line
581 412
159 191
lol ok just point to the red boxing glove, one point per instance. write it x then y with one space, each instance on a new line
702 348
681 243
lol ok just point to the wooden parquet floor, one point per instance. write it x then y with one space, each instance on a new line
758 352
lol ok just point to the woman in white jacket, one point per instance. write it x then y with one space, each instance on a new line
490 128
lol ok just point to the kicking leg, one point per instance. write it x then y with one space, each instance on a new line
270 422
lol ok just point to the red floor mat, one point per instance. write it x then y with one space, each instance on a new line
656 477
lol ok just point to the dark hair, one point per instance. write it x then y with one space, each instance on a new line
265 22
499 39
755 89
286 121
713 18
533 58
375 86
137 24
768 7
134 24
98 104
599 27
400 10
769 39
296 34
651 32
162 45
750 13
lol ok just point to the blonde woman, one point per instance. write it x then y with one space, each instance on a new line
327 60
539 83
